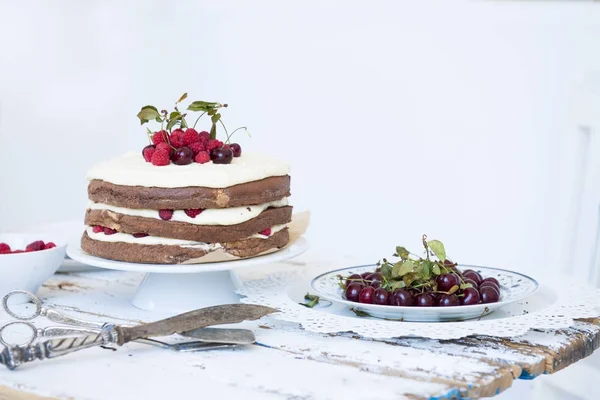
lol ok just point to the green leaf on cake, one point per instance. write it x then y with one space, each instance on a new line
436 269
182 98
438 249
202 106
148 113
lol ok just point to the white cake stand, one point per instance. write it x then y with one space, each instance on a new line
181 288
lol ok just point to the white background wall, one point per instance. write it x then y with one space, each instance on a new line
399 118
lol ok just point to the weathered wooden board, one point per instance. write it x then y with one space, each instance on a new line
288 363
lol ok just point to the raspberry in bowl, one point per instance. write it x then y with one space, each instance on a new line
27 260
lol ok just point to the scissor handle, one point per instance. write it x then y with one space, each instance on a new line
52 315
29 342
22 317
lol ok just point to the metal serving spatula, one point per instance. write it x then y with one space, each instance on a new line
14 356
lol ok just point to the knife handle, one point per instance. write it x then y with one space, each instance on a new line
12 357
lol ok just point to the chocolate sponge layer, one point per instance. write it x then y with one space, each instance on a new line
154 198
186 231
165 254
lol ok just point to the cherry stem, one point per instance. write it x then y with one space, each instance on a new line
226 133
194 127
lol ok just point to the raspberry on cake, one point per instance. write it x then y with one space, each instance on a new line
201 197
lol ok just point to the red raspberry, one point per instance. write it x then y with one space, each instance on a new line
197 147
204 136
213 144
266 232
97 228
109 231
159 137
140 235
202 157
161 158
4 248
49 245
165 214
177 138
165 147
193 212
35 246
190 136
17 251
148 152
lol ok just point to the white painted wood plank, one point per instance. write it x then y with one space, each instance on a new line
284 368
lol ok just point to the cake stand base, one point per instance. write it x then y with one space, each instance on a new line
186 287
177 293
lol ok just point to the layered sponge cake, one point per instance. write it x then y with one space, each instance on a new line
139 212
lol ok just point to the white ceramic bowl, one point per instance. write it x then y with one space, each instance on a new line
28 271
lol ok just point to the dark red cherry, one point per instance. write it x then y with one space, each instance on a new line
448 300
353 291
425 300
221 155
381 297
489 294
365 274
366 295
353 278
472 282
471 297
493 280
446 281
490 284
374 278
236 148
402 298
182 156
470 274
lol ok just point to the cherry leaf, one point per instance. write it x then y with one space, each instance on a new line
402 252
148 113
438 249
453 289
202 106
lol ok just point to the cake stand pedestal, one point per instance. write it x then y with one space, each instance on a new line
181 288
185 292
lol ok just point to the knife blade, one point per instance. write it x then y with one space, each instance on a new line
216 315
222 335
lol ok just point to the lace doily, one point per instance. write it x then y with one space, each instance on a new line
554 306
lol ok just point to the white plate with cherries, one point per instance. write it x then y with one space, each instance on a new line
430 288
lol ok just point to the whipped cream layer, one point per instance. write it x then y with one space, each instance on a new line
155 240
211 216
131 169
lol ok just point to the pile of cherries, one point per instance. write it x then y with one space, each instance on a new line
367 288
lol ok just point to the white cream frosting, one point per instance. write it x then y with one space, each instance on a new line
212 216
131 169
156 240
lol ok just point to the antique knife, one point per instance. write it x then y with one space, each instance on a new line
14 356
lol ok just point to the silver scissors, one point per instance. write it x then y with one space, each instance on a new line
209 339
76 326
